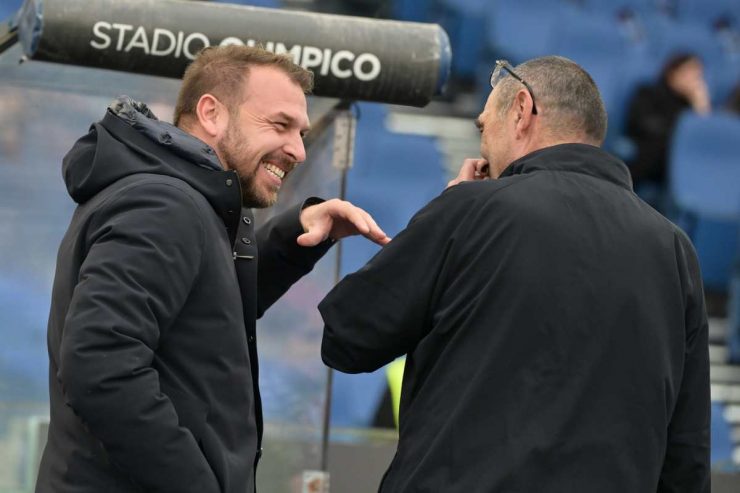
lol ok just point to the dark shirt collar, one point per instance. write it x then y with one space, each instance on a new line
578 158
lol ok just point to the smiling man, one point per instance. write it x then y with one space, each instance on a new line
152 344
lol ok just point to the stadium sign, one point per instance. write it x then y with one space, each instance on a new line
351 57
163 43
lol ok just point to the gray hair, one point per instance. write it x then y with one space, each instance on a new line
565 94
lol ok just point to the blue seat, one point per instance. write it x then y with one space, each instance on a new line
707 12
464 21
715 242
600 45
704 169
8 8
722 79
667 37
519 30
393 176
23 359
721 437
704 182
587 37
616 7
414 10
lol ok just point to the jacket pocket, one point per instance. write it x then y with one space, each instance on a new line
193 415
191 411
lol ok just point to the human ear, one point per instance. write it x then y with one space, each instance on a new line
212 115
523 106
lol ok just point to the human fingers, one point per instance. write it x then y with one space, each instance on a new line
376 234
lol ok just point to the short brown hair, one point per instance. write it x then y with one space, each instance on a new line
222 71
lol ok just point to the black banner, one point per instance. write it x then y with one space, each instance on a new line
351 57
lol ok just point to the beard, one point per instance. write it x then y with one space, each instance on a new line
230 147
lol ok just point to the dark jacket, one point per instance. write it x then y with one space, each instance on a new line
651 119
555 331
153 364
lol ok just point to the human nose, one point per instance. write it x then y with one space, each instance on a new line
296 149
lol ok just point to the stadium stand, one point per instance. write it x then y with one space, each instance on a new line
704 180
622 43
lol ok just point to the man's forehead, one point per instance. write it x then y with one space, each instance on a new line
273 93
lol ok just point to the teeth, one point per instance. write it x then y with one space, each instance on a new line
275 170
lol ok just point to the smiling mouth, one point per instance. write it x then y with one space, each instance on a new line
275 170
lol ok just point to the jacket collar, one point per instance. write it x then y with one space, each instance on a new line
170 151
578 158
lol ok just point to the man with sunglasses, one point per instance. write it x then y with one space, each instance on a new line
554 323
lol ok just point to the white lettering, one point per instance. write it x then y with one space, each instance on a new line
122 28
178 48
231 41
138 40
327 61
186 45
311 57
338 57
105 43
159 32
342 64
295 51
360 61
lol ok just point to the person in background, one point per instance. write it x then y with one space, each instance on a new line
652 116
733 102
153 374
554 323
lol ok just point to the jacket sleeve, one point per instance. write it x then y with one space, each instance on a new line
144 250
282 261
686 467
382 311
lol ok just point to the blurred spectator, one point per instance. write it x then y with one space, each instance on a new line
733 102
652 115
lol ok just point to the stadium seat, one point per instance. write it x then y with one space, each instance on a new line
413 10
599 44
703 182
9 8
704 171
519 31
464 21
615 7
706 12
393 176
722 78
721 436
667 37
587 37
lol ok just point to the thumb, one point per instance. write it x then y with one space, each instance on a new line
310 238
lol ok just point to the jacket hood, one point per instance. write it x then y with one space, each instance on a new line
129 140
